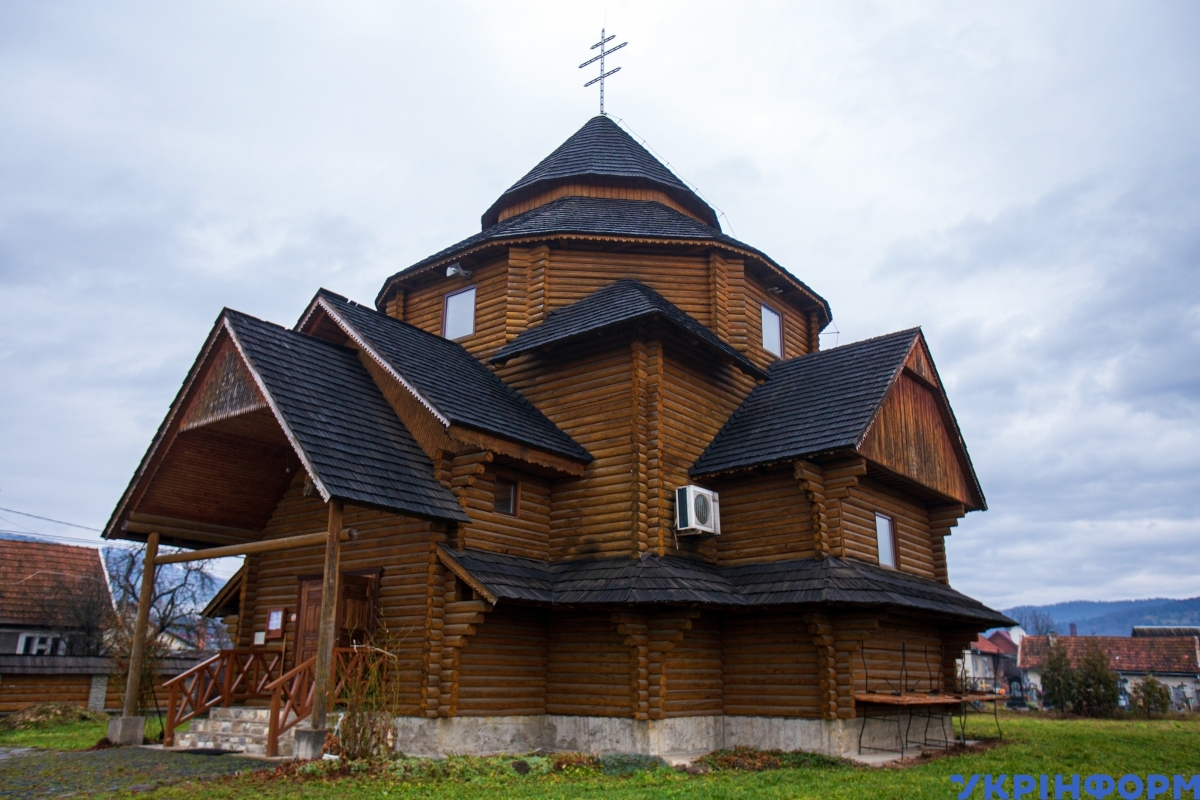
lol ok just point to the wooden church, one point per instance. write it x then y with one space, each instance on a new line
592 467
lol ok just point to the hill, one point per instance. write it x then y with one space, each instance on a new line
1117 618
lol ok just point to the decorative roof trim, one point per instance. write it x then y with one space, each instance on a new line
287 430
350 331
761 258
463 575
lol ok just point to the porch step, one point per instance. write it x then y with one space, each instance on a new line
239 729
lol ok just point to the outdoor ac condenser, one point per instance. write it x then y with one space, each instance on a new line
697 510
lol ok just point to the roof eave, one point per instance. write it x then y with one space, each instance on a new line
421 267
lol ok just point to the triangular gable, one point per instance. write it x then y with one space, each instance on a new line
259 399
226 390
914 433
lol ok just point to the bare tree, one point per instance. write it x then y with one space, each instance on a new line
180 592
1035 621
88 616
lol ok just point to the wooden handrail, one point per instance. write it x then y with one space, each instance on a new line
292 694
220 655
298 685
218 680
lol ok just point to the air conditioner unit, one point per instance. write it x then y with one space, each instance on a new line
697 510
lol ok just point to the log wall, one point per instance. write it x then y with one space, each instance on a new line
586 392
764 517
796 335
587 666
770 665
527 534
694 682
502 668
398 546
424 303
915 546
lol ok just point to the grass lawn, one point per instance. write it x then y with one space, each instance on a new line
1033 745
72 736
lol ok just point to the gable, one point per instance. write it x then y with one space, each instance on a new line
910 436
226 390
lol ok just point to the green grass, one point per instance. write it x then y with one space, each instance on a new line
1033 745
72 736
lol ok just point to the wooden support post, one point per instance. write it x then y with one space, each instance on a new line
327 633
137 650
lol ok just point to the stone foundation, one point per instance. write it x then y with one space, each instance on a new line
419 736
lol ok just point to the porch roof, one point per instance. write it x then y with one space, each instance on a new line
654 579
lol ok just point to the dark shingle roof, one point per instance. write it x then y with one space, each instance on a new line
343 428
808 405
618 303
600 149
453 381
651 579
595 216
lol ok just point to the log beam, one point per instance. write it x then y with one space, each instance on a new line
327 633
137 649
252 548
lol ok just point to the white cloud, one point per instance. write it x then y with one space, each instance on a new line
1020 179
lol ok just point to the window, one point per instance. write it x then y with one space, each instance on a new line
885 539
772 331
38 645
458 314
506 497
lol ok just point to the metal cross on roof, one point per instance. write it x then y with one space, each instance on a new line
603 52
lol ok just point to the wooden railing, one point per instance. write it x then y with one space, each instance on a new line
228 677
291 701
292 694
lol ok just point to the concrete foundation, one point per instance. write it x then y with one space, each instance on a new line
310 743
127 731
418 736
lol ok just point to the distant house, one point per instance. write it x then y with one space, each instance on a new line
1174 660
52 598
989 664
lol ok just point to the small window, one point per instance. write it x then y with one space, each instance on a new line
506 497
275 623
885 538
458 315
772 331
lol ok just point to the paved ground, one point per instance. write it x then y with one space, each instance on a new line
25 772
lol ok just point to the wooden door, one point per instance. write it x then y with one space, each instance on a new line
308 619
355 613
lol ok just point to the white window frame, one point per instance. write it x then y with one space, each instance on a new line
763 310
893 545
446 299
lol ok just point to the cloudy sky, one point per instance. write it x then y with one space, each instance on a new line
1018 178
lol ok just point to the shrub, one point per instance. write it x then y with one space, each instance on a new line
1058 679
1098 691
1151 697
371 696
49 715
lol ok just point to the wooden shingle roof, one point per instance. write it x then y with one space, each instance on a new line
39 581
601 149
618 303
450 380
654 579
343 429
808 405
